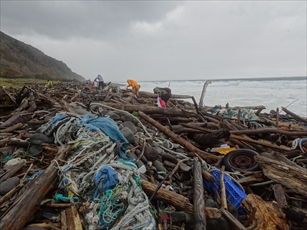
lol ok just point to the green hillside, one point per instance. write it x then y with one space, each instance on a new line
19 60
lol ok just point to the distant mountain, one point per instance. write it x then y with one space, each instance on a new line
19 60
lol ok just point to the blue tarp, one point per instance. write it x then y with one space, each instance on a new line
57 118
109 128
105 178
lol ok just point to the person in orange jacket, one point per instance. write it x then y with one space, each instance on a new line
134 85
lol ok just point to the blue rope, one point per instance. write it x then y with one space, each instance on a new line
109 208
34 175
301 142
32 155
8 157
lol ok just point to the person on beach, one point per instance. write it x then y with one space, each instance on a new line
135 86
100 81
49 83
163 95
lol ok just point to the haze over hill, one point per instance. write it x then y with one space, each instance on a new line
19 60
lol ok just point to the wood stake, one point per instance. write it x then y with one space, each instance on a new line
223 189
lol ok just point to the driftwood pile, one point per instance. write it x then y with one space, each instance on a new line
199 167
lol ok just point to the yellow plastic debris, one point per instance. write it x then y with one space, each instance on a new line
224 151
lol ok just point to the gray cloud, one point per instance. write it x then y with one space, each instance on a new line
164 40
67 19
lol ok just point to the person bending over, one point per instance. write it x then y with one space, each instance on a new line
164 94
100 81
134 85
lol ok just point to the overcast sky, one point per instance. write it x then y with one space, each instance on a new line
165 40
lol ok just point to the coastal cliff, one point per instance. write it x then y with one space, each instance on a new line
20 60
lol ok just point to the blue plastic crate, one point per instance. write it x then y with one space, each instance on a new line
234 193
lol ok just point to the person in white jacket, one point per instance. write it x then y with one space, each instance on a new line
100 81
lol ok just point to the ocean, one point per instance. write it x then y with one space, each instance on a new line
290 93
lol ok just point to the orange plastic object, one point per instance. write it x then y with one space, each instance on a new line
224 151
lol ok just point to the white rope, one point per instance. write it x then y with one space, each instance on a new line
137 213
63 133
92 170
169 150
88 148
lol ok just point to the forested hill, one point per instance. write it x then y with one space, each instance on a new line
19 60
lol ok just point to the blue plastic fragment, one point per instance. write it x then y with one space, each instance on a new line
234 193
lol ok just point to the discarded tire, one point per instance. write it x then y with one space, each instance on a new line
241 159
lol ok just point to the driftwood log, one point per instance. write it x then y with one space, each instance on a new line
233 221
255 177
271 130
210 158
296 214
286 197
223 190
178 201
200 217
267 215
12 128
148 109
281 170
28 203
4 141
203 92
264 143
11 171
294 115
280 196
174 96
70 219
